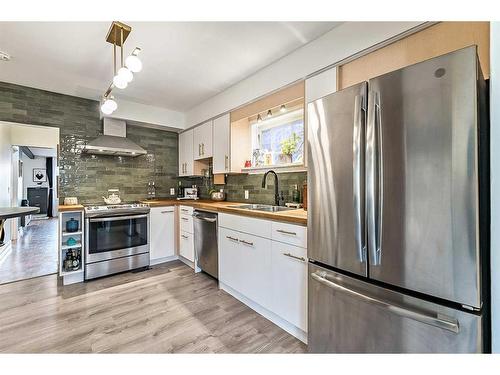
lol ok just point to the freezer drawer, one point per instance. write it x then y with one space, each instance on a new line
347 315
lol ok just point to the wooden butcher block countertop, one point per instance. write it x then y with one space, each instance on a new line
298 216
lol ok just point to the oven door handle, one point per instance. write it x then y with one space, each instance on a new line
116 218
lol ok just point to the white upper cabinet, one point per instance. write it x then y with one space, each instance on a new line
321 85
203 141
186 165
221 144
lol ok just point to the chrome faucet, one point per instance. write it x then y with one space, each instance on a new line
276 186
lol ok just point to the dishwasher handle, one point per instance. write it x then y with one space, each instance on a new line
199 216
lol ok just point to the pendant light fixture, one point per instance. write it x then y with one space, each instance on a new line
259 119
269 114
117 35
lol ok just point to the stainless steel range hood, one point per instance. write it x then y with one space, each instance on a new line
114 141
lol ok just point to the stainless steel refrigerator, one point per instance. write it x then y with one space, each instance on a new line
398 217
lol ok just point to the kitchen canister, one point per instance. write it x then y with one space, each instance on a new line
72 225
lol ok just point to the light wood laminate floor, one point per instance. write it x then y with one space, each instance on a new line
33 254
167 309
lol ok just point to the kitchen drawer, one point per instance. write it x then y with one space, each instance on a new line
290 233
186 210
258 227
186 223
186 248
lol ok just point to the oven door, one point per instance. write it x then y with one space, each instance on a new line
116 237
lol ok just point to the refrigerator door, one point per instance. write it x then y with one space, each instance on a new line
422 178
336 230
351 316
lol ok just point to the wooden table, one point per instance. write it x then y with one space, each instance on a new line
11 213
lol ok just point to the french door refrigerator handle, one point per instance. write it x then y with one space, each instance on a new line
380 176
443 322
370 162
357 170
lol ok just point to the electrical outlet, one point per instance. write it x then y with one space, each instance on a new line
246 194
172 191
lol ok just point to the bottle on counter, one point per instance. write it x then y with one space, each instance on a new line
180 190
281 199
295 194
304 195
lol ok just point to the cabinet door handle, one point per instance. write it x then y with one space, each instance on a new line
184 210
185 237
203 148
199 149
231 238
246 242
286 232
184 218
294 257
226 159
165 212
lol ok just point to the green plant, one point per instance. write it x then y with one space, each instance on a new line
289 145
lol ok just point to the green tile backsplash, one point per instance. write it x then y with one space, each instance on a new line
88 176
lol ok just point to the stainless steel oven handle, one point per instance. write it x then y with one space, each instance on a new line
116 218
444 322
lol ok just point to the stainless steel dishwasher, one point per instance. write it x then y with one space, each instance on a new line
206 250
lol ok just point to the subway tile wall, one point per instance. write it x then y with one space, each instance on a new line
237 184
85 176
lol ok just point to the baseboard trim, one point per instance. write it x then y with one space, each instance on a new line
269 315
154 262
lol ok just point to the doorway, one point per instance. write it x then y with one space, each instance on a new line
32 248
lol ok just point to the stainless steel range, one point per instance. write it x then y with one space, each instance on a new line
117 238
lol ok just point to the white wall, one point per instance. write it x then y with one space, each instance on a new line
149 114
34 136
5 172
495 181
336 45
28 166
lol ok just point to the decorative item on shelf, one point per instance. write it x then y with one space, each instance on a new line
72 225
248 163
117 35
257 158
268 158
70 201
71 242
288 147
72 260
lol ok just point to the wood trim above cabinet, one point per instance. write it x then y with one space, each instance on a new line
439 39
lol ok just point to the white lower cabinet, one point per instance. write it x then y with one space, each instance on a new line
162 234
269 276
186 247
289 283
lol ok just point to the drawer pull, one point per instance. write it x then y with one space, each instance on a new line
184 210
165 212
185 237
286 232
231 238
185 218
294 257
246 242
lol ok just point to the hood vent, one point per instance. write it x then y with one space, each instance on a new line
114 141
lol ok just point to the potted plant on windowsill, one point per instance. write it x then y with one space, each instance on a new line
288 147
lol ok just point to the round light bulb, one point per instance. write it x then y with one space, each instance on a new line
111 104
106 109
119 82
133 63
125 74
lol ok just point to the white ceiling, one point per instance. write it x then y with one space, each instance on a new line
185 63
